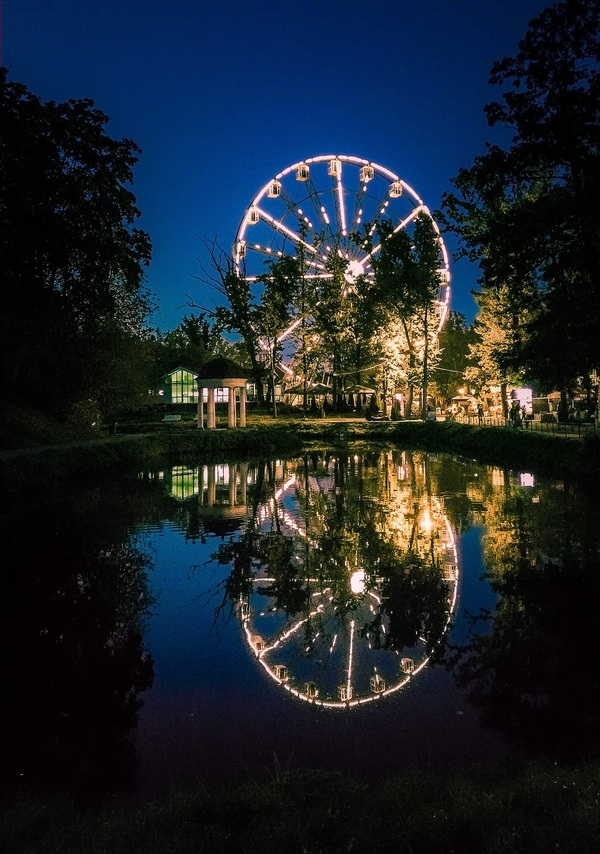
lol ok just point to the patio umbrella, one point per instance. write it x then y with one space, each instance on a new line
317 388
359 389
320 388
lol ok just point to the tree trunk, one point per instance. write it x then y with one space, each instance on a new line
273 396
504 399
425 367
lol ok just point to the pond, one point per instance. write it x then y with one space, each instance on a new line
361 611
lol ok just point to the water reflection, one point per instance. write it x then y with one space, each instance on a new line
343 573
75 601
530 665
221 594
348 576
343 568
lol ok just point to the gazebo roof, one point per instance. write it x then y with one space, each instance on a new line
222 369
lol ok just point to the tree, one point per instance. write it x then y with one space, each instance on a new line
72 262
274 312
455 340
240 313
305 360
331 316
192 343
407 281
529 214
498 330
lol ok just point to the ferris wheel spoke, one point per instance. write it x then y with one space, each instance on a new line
267 251
402 225
320 209
357 213
340 203
294 236
292 207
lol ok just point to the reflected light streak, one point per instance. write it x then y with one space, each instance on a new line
350 659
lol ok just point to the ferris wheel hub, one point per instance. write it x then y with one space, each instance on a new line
353 271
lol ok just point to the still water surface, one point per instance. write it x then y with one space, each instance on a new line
362 611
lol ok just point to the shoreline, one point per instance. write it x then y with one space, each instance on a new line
47 465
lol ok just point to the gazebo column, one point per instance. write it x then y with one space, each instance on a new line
211 409
211 496
243 482
221 373
201 485
243 405
231 407
201 408
232 484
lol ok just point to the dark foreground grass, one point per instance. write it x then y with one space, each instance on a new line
495 810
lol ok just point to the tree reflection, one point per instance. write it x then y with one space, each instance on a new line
415 598
531 665
74 621
288 586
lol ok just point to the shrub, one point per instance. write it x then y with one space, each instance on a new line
373 407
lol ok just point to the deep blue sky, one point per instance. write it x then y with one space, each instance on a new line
222 96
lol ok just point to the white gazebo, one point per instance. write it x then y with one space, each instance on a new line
221 373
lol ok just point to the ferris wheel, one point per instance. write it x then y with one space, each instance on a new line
318 204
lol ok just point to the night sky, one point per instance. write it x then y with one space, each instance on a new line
220 97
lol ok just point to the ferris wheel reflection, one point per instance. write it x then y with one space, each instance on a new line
356 582
343 568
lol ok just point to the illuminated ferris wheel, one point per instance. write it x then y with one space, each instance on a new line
318 204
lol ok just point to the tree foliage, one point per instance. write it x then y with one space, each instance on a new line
402 301
280 286
192 343
529 214
237 310
72 260
454 342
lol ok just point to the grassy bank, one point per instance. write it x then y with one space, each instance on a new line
69 457
487 811
544 453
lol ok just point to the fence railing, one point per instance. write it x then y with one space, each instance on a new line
555 428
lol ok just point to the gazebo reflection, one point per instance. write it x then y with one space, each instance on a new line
215 495
222 485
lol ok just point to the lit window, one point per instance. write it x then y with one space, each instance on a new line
184 388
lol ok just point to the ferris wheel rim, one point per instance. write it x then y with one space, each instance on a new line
324 158
360 262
